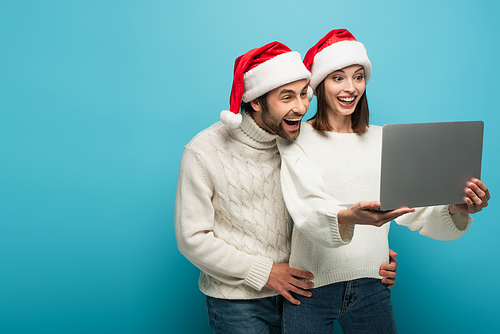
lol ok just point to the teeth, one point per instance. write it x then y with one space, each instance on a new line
292 119
346 99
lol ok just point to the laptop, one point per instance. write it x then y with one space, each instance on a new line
426 164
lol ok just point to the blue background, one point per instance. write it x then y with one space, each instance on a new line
98 98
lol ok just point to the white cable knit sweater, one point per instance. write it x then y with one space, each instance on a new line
230 216
321 171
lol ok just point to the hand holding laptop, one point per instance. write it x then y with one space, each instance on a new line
421 165
364 213
477 198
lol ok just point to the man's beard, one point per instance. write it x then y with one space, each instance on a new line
276 125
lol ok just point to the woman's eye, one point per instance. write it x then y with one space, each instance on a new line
359 77
337 78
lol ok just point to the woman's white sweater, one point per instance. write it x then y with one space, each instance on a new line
321 172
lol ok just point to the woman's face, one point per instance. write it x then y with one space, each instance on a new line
344 88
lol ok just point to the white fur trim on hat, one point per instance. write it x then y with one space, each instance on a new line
278 71
310 93
230 119
338 56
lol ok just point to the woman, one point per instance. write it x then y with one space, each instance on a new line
336 160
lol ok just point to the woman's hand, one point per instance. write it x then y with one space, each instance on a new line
477 198
363 213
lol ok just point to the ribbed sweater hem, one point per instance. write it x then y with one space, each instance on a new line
231 295
336 276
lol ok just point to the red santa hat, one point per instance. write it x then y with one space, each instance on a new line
259 71
338 49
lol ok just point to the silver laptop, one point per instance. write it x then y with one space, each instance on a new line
425 164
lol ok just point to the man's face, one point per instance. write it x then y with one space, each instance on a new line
286 105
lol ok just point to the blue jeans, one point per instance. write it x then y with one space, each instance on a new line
360 306
259 316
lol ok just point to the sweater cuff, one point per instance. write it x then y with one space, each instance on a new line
462 220
259 273
344 231
455 226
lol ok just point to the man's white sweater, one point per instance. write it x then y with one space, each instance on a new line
323 172
230 216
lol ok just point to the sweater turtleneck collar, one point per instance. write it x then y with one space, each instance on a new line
253 135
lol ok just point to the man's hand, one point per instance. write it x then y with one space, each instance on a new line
477 198
284 279
362 213
389 270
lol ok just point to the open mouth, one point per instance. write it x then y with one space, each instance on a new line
292 122
346 101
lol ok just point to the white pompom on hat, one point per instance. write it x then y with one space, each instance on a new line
338 49
259 71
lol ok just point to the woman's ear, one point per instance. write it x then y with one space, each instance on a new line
256 105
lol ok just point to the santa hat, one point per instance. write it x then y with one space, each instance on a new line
259 71
338 49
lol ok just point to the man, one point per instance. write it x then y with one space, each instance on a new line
230 216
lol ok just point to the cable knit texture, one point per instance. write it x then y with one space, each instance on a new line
323 173
230 216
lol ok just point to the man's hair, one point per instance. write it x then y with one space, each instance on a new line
359 117
247 106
